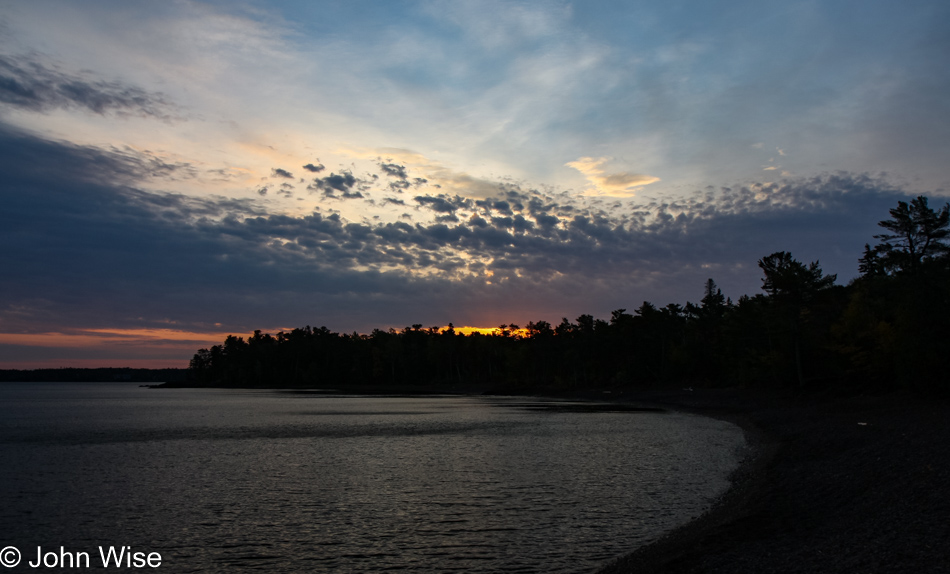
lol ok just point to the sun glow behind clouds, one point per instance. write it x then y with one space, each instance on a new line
404 165
489 331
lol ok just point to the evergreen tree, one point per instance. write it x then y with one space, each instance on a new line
792 286
917 236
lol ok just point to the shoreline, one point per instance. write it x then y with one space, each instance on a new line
833 484
746 486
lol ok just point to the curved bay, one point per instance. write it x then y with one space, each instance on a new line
226 480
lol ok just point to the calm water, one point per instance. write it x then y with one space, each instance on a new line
236 480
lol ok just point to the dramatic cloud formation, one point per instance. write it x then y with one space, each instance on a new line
149 260
176 171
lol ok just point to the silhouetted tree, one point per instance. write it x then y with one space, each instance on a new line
705 323
792 286
917 236
895 327
890 324
713 301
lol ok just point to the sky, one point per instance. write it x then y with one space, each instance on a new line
176 172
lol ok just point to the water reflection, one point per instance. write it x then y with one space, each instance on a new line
223 480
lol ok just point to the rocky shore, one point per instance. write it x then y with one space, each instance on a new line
837 484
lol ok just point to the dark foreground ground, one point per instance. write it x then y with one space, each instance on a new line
855 485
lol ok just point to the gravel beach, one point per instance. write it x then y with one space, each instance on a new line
836 484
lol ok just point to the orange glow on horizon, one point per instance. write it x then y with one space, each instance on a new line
487 331
163 334
95 337
100 348
139 348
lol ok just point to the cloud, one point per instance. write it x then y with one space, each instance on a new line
394 170
26 82
400 176
346 183
617 184
469 93
278 172
436 174
90 164
85 248
443 203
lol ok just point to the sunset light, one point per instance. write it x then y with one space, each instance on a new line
475 286
219 169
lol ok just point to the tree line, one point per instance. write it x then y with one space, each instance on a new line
886 328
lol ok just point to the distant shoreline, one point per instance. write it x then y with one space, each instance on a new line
94 375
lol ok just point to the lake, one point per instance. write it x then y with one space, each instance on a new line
225 480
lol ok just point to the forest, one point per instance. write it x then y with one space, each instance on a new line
888 328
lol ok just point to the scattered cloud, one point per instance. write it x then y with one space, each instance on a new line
147 257
400 177
432 173
345 183
443 203
394 170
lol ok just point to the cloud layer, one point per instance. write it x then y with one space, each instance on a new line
87 248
